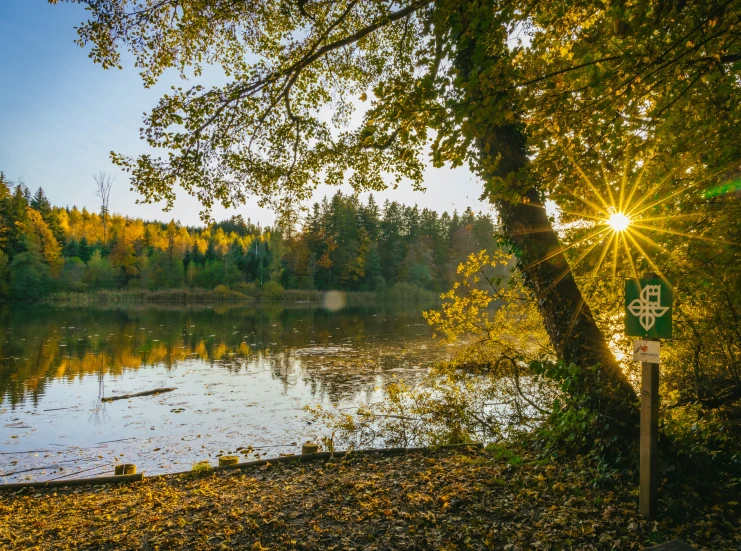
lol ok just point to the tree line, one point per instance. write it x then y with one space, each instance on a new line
343 243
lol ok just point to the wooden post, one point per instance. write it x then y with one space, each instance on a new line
649 437
228 460
309 448
125 469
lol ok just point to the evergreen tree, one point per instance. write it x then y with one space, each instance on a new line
14 220
4 273
84 252
195 255
5 194
42 204
391 241
211 253
374 269
71 249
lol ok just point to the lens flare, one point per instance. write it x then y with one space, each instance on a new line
618 221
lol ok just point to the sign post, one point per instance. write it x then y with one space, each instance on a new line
648 314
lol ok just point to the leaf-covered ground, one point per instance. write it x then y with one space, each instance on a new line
446 499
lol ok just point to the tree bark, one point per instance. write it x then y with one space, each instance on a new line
546 272
567 318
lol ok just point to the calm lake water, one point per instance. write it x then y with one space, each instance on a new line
242 376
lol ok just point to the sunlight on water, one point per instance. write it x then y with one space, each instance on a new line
242 378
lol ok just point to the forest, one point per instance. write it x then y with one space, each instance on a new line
343 244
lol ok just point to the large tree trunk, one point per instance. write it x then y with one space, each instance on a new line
568 319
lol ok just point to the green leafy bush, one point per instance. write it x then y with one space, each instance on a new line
272 290
249 289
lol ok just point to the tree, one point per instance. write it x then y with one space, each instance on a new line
84 250
171 233
39 238
30 269
104 183
446 66
374 269
5 192
99 273
191 274
4 273
391 241
122 257
73 274
14 213
5 186
41 203
29 275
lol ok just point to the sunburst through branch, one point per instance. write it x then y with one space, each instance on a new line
624 222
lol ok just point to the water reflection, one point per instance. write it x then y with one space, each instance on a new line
242 377
39 345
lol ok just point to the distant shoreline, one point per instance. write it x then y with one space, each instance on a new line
224 295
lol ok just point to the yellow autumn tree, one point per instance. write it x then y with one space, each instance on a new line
38 231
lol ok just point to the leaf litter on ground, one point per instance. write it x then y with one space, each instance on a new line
443 499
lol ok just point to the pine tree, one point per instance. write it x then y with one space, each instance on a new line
374 269
42 204
84 251
14 220
195 255
5 194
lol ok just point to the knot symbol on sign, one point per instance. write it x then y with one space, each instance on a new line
648 307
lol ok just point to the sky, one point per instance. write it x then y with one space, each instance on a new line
61 115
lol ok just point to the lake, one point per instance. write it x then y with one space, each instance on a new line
243 375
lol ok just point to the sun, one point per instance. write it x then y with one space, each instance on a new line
618 221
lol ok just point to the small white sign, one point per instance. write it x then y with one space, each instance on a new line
646 351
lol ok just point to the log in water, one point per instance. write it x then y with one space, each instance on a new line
137 394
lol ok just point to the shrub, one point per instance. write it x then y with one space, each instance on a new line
201 468
73 272
272 290
29 276
249 289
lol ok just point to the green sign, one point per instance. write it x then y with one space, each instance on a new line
648 308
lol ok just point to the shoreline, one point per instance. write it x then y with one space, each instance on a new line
223 297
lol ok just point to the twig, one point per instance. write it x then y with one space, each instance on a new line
119 440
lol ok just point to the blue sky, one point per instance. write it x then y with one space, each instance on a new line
61 115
